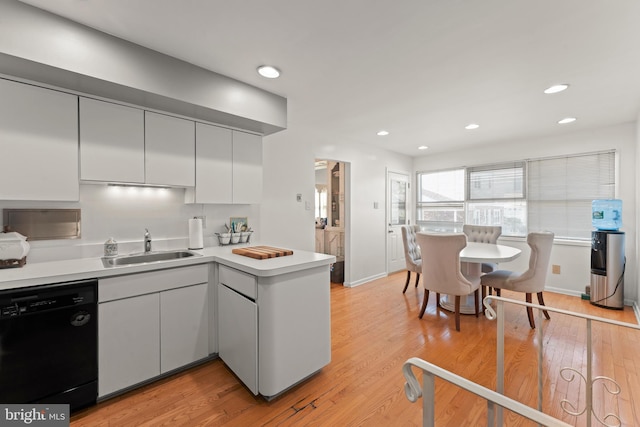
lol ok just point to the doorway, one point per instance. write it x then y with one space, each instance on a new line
332 214
397 216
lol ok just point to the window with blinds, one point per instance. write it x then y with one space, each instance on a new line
553 194
496 196
561 189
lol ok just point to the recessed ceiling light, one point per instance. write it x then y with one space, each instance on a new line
383 133
567 120
471 126
268 71
556 88
422 147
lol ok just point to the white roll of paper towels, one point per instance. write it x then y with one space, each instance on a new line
195 233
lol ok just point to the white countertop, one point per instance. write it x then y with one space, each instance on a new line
85 268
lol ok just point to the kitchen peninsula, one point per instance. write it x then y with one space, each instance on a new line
268 320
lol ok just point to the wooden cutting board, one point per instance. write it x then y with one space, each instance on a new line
262 252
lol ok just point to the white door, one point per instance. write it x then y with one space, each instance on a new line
397 216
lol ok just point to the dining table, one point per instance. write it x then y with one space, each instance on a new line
471 258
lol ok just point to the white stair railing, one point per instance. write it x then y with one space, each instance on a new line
427 392
496 400
569 374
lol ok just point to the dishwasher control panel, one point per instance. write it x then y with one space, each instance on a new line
36 299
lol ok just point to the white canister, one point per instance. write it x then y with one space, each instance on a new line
13 246
111 247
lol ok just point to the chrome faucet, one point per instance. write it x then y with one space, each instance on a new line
147 241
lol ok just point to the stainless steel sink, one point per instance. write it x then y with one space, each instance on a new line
146 258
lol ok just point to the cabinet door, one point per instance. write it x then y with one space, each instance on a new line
39 143
169 150
128 342
238 335
184 326
247 168
213 164
111 142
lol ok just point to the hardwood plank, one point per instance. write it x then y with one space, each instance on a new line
375 329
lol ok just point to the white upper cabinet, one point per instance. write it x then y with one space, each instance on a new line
111 142
169 150
228 166
214 157
39 143
247 168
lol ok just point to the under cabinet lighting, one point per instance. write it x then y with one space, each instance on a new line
567 120
383 133
162 187
422 147
472 126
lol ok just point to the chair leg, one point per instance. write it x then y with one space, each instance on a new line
532 322
457 313
475 298
498 292
406 284
438 299
541 302
484 294
417 279
424 303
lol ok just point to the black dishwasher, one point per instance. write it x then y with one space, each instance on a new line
49 344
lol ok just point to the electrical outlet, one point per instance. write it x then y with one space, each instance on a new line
555 269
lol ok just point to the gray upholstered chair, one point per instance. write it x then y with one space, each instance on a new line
483 234
441 270
531 281
411 253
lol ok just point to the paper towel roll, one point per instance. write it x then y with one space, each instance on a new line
195 233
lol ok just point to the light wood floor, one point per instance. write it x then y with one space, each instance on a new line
375 329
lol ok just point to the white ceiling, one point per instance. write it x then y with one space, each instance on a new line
421 69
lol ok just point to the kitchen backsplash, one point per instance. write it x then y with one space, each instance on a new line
124 212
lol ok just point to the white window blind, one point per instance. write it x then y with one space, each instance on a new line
505 181
560 191
496 196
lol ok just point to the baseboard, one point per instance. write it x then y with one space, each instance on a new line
563 291
579 294
365 280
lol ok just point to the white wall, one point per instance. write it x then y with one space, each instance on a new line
636 259
124 214
574 259
289 169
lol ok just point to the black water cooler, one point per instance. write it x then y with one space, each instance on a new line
607 269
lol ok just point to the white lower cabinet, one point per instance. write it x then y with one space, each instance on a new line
151 323
128 342
274 331
238 335
184 326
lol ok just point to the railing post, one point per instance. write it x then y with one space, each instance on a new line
540 359
491 414
500 358
428 399
589 375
